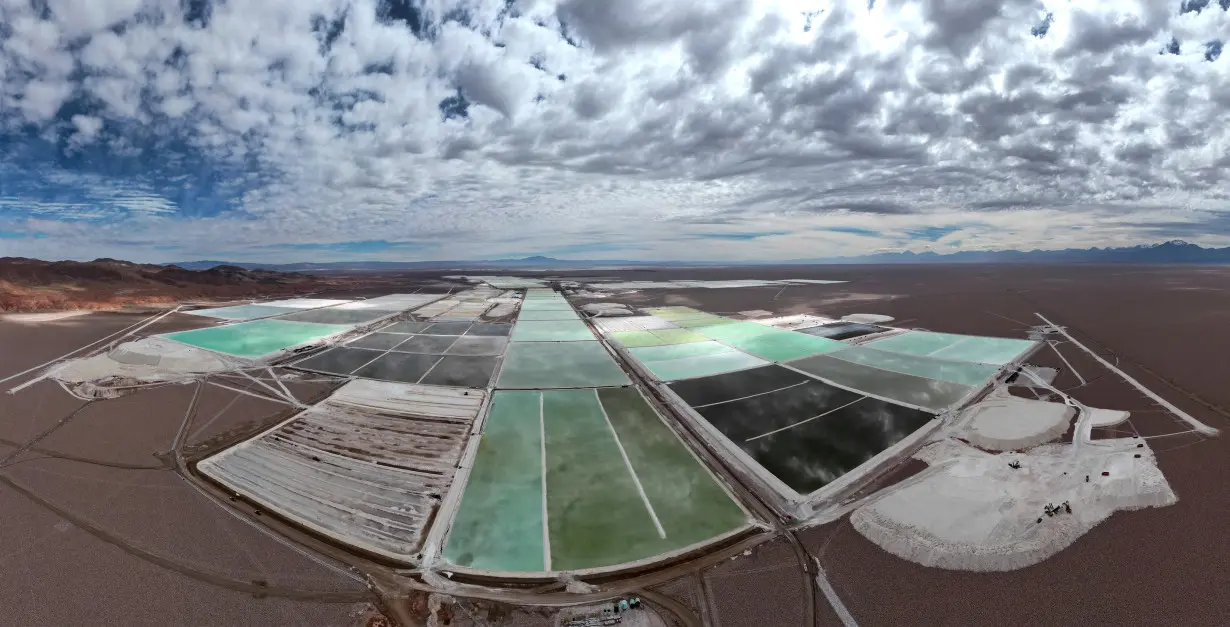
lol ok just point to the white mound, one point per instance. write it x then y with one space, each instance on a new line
43 317
797 321
1107 417
1006 423
149 359
606 309
1031 375
867 318
972 511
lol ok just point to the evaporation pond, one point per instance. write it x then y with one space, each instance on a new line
964 373
784 345
842 330
380 341
431 344
595 514
656 337
559 365
338 316
988 350
340 360
461 371
677 351
489 330
401 367
256 338
477 345
731 385
406 327
446 328
548 314
929 393
810 434
702 365
551 331
242 312
734 331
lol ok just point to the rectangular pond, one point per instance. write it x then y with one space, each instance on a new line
549 314
559 365
843 330
551 331
702 365
581 479
256 338
732 385
333 315
964 373
241 312
931 394
987 350
784 345
656 337
809 433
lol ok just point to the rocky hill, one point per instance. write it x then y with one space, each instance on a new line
36 285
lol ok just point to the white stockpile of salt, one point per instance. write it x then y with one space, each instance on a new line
1002 422
150 359
979 511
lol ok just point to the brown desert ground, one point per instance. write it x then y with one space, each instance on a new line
99 528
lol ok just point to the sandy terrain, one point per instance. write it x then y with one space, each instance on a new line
93 506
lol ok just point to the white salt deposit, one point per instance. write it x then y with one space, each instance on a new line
798 321
42 317
150 359
1106 417
756 313
867 318
606 309
1002 422
972 511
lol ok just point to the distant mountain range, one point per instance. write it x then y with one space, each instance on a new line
1172 252
35 285
526 263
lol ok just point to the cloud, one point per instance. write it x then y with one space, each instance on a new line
168 130
87 127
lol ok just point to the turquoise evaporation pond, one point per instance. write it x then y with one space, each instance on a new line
965 373
678 351
575 479
559 365
551 331
548 314
987 350
702 365
256 338
545 305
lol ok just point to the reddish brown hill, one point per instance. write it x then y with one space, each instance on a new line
36 285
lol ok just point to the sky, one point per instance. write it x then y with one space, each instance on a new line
740 130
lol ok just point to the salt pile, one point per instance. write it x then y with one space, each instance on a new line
606 309
867 318
148 360
1003 422
972 510
797 321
